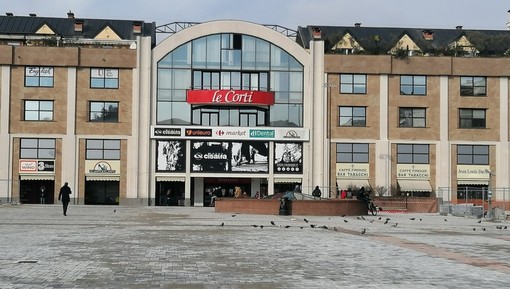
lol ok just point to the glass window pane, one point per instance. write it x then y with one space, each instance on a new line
361 89
480 150
46 105
464 159
346 88
46 153
360 158
478 113
406 80
31 115
94 144
181 57
361 148
46 115
213 51
112 144
421 149
421 159
404 159
31 81
358 111
94 154
464 149
31 105
97 82
344 148
481 159
420 90
404 148
46 81
28 153
346 78
344 158
420 80
29 143
112 154
111 83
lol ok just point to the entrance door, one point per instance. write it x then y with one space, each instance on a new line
37 192
170 193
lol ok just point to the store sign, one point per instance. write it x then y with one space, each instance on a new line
413 171
221 133
352 171
102 167
230 97
473 172
35 166
288 158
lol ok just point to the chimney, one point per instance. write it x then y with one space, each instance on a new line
508 21
458 27
9 14
78 25
357 24
70 15
316 32
428 35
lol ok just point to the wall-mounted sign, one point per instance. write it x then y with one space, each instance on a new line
35 166
413 171
473 172
230 97
221 133
102 167
352 171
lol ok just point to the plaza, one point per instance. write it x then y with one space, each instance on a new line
190 247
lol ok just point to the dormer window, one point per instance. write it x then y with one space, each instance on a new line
428 35
137 27
78 26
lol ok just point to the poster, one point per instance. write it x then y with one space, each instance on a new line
250 157
288 158
210 156
170 156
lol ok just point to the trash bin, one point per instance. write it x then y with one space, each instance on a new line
284 206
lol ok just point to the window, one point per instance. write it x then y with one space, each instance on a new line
352 153
412 153
37 148
413 85
352 116
411 117
472 154
102 111
104 78
98 149
353 83
473 86
471 118
38 76
40 110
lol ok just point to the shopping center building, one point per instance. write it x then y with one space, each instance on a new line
225 104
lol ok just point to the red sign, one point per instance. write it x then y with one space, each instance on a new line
232 97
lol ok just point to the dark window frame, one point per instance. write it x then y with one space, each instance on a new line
38 110
38 148
104 78
105 115
414 152
104 150
352 84
38 77
470 86
353 122
414 110
413 85
472 122
355 154
473 154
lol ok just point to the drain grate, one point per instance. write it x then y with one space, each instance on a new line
27 261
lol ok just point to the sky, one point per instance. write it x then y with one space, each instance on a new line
447 14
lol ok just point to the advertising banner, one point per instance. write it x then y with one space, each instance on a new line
288 158
170 156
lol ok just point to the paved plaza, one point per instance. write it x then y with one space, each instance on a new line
178 247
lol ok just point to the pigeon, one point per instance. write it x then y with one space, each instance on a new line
222 224
479 221
484 229
499 227
335 229
412 219
445 220
254 226
421 219
345 221
386 222
233 216
363 218
306 221
324 227
286 227
363 231
394 226
359 218
301 227
272 223
262 226
371 221
379 218
342 216
474 229
312 225
387 219
115 210
505 227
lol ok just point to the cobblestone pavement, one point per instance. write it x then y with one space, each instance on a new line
177 247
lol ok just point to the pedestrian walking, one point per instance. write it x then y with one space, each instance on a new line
65 191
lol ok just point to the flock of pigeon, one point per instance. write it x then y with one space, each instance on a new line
363 230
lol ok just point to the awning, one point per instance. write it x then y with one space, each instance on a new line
344 184
170 179
414 186
473 182
287 181
37 177
103 178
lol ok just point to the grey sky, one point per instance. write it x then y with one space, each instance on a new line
471 14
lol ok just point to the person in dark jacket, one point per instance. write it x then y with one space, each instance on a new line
65 191
317 192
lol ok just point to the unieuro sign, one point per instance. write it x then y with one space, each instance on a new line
230 97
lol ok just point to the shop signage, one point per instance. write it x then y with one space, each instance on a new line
167 132
230 97
472 172
413 171
352 171
221 133
288 158
102 167
34 166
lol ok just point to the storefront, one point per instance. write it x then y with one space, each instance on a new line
102 179
37 181
230 114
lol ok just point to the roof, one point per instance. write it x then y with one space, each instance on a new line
65 27
388 37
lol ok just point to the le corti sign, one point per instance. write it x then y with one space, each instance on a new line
230 97
231 133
